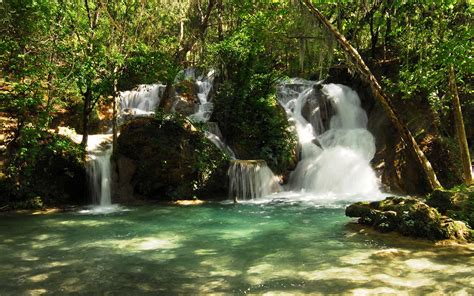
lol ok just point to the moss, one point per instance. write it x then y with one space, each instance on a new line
409 216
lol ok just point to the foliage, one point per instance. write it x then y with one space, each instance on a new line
245 105
45 169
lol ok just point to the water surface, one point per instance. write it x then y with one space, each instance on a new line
292 248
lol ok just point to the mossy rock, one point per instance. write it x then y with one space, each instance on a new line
456 203
409 216
172 160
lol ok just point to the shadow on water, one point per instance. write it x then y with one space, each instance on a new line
216 248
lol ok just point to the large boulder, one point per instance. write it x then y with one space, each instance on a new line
166 159
408 216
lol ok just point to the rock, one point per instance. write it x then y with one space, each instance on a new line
184 106
123 171
317 106
408 216
170 160
440 200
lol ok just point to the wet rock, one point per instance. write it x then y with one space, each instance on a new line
408 216
122 173
317 110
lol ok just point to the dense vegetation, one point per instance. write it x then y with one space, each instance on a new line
63 61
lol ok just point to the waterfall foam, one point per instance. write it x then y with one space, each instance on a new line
335 161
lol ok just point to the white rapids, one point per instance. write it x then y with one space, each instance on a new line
335 161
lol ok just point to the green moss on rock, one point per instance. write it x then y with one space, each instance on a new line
408 216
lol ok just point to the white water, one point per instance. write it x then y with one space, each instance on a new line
99 173
250 179
335 163
141 101
205 107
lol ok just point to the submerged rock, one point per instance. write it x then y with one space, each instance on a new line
408 216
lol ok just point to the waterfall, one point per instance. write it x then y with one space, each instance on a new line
335 152
99 152
250 179
99 174
141 101
205 107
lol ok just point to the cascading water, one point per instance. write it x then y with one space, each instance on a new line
205 107
99 151
334 161
99 173
250 179
141 101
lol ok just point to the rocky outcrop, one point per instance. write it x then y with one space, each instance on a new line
408 216
186 98
165 159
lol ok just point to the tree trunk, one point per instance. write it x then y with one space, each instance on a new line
360 66
114 112
460 131
85 116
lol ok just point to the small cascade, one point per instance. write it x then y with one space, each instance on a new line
99 151
139 102
250 179
99 174
335 154
205 108
215 136
142 101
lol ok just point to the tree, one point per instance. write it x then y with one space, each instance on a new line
460 131
354 57
197 21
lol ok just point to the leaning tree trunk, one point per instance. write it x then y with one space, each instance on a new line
360 66
460 131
